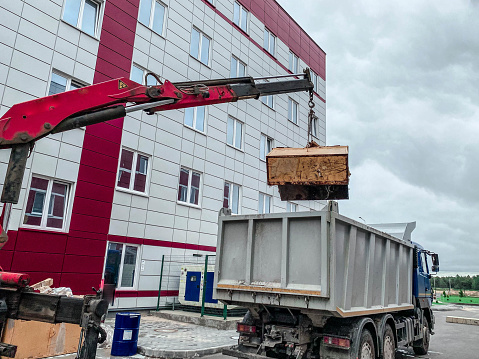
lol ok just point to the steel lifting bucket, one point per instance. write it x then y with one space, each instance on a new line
125 336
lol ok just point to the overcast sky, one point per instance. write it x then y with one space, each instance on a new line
402 90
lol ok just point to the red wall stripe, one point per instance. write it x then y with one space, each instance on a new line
37 262
145 293
41 241
99 177
97 174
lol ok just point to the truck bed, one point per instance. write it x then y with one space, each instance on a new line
313 261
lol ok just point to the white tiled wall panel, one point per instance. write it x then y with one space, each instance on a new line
33 43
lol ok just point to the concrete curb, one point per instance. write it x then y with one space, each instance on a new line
461 320
211 322
179 354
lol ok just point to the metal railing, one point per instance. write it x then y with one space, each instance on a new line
170 274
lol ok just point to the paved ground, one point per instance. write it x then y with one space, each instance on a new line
167 338
450 341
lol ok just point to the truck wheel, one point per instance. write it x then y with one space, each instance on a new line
421 346
366 346
389 344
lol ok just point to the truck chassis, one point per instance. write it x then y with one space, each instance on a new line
284 333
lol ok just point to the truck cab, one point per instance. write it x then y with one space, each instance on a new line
422 288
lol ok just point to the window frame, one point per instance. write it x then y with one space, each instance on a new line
133 171
237 67
240 16
195 117
233 145
230 196
263 146
98 21
122 260
152 16
315 127
188 192
293 64
67 210
290 206
200 46
267 34
268 101
293 111
144 72
314 79
69 81
264 196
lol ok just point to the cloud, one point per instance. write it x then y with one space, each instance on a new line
402 92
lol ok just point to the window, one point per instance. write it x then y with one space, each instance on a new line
127 178
121 265
269 41
265 147
60 83
293 63
264 203
314 126
240 16
138 73
268 101
238 68
292 111
200 46
189 186
314 79
83 14
152 15
195 117
47 203
291 207
234 133
231 197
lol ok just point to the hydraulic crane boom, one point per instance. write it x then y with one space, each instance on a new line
29 121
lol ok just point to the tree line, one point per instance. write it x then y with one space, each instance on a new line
458 282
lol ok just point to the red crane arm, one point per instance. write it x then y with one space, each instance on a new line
31 120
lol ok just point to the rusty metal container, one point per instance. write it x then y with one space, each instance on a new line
312 173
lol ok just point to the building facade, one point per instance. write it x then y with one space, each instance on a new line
107 201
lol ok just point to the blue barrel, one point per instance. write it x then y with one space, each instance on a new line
125 336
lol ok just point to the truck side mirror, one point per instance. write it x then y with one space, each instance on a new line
435 259
435 262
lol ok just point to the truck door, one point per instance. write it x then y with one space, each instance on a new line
424 281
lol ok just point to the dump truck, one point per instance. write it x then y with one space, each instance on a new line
321 285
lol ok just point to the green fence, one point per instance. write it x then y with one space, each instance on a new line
170 274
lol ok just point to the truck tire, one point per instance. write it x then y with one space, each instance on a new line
421 346
366 346
389 344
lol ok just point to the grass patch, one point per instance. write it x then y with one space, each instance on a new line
459 300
